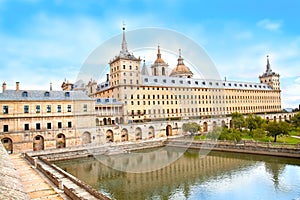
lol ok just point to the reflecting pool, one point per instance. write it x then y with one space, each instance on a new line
219 175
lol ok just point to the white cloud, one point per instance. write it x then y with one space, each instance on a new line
270 25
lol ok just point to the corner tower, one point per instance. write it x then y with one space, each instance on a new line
269 77
124 70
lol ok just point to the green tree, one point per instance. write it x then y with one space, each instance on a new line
296 120
191 127
275 129
237 120
253 122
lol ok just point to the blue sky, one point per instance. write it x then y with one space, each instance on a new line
47 41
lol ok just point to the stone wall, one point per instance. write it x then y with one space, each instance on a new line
11 186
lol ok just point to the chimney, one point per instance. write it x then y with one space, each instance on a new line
50 86
17 86
107 77
3 87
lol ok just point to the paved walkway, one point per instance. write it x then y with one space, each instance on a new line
34 184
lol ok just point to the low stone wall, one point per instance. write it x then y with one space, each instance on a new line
243 147
11 186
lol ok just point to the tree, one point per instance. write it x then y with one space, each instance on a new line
191 127
238 120
253 122
275 129
296 120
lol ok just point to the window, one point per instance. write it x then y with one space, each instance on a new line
49 125
69 108
38 126
5 128
48 108
59 125
69 124
26 127
24 94
58 108
26 109
130 67
123 66
85 107
37 108
67 94
47 94
5 109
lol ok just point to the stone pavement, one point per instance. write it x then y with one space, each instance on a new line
34 184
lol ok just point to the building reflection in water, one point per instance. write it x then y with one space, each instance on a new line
180 175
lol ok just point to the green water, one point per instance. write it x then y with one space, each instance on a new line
218 175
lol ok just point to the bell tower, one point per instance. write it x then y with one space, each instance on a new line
269 77
159 67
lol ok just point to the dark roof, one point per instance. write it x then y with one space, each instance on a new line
43 95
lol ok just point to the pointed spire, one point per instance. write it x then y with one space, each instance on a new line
145 70
158 52
268 65
50 86
124 43
180 59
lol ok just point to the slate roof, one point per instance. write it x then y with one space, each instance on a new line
43 95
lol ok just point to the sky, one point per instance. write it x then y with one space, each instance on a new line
44 41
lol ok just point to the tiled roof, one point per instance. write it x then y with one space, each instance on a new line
42 95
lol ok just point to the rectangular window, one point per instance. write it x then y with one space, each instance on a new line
59 108
69 108
48 108
5 109
85 108
37 108
59 125
5 128
26 127
49 125
38 126
26 109
69 124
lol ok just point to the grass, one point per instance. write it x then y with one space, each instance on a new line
287 139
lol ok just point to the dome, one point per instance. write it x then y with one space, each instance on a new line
181 70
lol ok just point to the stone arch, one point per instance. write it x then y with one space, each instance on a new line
124 135
223 123
86 137
231 124
267 119
169 130
121 120
97 122
280 118
214 125
274 118
290 117
109 135
60 141
151 132
138 133
104 121
117 120
284 117
205 127
109 121
38 143
8 144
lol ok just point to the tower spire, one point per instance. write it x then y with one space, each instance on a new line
124 43
158 52
268 65
180 59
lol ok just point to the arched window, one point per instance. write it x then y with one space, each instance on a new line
25 94
163 71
